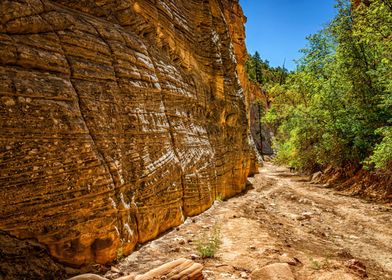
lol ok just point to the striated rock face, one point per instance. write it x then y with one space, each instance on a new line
118 119
261 134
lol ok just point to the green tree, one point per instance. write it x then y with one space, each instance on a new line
258 65
336 109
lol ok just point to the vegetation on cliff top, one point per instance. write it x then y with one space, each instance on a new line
336 108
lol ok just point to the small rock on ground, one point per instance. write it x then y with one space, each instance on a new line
131 276
88 276
286 259
276 271
336 275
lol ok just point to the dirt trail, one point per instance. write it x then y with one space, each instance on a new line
282 214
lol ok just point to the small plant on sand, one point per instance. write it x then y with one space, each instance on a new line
119 253
314 264
219 197
326 262
208 244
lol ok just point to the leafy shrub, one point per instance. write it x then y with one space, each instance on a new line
315 264
219 197
383 151
208 244
335 109
119 253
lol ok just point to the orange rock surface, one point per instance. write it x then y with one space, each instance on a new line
118 119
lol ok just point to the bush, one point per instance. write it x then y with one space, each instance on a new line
209 244
336 108
119 254
382 155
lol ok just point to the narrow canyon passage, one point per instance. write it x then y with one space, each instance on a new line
127 124
282 218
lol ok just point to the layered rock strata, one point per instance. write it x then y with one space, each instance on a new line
261 133
118 119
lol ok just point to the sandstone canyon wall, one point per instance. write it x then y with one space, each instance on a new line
118 119
260 132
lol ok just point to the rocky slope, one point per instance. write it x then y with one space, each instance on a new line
118 119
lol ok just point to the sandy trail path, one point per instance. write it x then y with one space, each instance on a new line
282 214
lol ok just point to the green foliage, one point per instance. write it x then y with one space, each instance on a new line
315 264
336 109
262 73
119 253
381 156
208 244
219 197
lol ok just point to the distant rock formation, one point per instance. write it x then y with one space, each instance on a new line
261 133
118 119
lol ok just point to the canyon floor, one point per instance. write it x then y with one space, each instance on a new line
281 218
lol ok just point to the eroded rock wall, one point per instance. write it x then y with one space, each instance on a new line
118 119
260 133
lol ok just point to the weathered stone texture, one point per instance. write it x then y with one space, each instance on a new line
261 133
118 119
181 269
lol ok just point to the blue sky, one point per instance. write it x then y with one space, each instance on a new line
277 28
